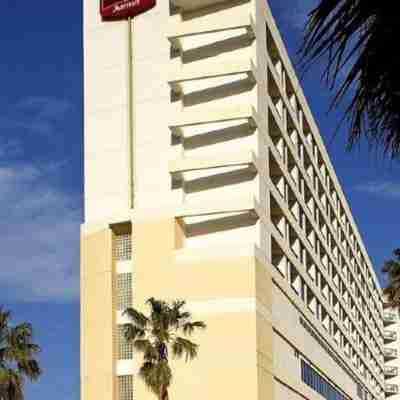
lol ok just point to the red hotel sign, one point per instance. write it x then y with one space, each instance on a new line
121 9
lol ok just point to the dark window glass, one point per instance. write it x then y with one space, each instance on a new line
313 379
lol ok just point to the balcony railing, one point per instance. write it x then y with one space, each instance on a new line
389 317
391 389
389 335
391 371
390 353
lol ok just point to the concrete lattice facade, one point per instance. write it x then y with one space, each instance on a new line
206 179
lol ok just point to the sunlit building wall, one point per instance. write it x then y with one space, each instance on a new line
206 179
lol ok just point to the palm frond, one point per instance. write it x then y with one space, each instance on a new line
132 332
157 306
178 315
392 270
146 372
11 385
137 317
177 311
184 347
160 318
158 338
20 346
355 35
17 360
5 317
30 368
189 327
156 375
145 347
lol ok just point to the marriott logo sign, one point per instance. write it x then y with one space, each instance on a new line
121 9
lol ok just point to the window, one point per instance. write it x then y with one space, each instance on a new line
125 349
124 291
125 387
123 247
313 379
362 393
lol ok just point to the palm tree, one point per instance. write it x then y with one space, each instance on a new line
158 335
392 270
17 358
358 39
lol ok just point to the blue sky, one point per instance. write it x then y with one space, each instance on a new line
41 175
41 181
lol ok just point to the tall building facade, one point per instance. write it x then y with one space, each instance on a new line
206 179
391 350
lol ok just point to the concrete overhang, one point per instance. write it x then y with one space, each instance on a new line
177 31
190 74
213 115
244 158
190 5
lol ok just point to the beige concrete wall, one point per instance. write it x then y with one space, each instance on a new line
221 291
283 392
97 317
171 262
290 337
200 96
160 271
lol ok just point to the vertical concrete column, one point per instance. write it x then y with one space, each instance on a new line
97 316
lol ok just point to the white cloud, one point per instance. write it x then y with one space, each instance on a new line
39 244
386 189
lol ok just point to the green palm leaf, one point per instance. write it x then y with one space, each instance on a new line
132 332
137 317
155 337
353 38
190 327
392 270
184 347
17 357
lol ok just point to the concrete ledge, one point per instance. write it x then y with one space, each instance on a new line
230 206
212 115
186 5
194 73
218 161
178 30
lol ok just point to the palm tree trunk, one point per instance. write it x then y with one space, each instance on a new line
164 393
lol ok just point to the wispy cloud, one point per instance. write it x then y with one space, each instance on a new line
385 189
39 245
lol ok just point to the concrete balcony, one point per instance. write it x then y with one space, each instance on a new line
179 30
391 372
389 353
389 336
191 73
391 389
241 159
389 318
188 5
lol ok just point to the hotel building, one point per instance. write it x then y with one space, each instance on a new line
206 179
